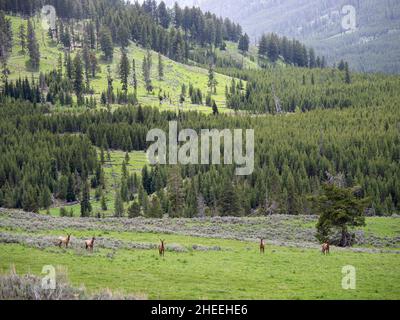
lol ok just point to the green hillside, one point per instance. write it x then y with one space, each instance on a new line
176 74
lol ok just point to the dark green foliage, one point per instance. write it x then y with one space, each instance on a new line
33 47
6 37
86 207
134 210
35 163
78 79
244 43
124 70
106 43
118 206
339 208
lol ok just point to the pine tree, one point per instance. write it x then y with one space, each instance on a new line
45 198
124 70
68 66
163 15
263 46
244 43
106 43
86 207
134 210
212 81
22 37
339 208
33 47
71 195
175 192
154 210
93 63
103 203
146 68
347 73
78 79
228 203
118 206
134 76
215 108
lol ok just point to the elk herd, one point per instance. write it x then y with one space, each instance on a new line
89 245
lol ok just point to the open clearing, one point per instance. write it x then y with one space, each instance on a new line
198 265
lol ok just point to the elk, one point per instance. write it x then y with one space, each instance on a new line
262 246
161 248
90 244
325 248
64 241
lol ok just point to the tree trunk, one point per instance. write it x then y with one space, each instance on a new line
344 242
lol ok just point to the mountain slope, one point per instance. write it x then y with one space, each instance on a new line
373 46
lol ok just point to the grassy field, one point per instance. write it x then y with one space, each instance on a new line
176 73
238 271
196 267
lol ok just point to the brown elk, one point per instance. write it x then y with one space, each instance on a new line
325 248
161 248
64 241
90 244
262 246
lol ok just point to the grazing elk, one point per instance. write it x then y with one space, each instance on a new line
262 246
90 244
161 248
325 248
64 241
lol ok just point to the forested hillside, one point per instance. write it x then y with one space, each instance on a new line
372 47
79 97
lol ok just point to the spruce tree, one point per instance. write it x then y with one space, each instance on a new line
78 78
86 207
22 37
118 206
134 210
106 43
33 47
124 70
212 81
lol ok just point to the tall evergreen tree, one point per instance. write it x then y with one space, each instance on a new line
106 43
78 78
244 43
86 207
212 80
33 46
118 206
124 70
22 37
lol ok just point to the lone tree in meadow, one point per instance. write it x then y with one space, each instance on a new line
339 208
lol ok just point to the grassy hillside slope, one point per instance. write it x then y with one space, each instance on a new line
176 74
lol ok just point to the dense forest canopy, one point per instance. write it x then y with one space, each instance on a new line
311 121
293 156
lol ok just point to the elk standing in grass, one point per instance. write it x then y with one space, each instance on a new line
64 241
90 244
161 248
262 246
325 248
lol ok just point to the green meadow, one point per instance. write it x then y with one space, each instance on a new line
238 271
